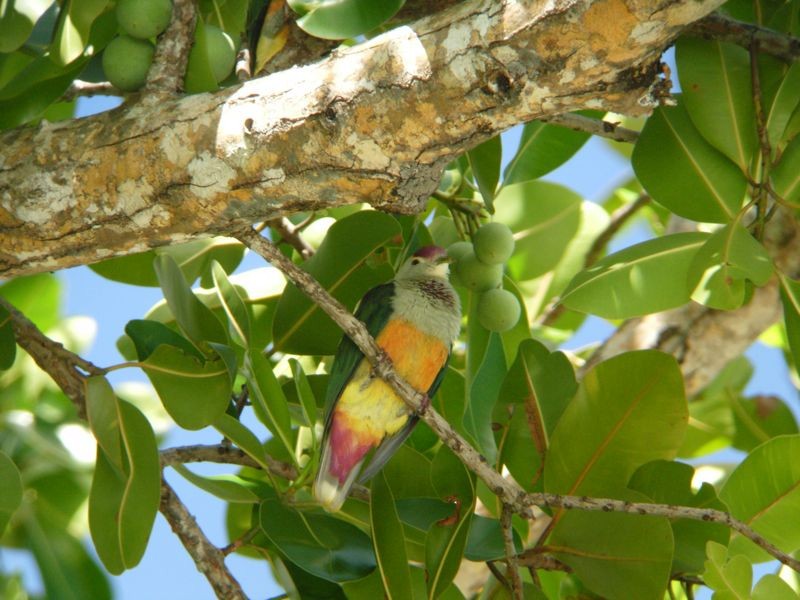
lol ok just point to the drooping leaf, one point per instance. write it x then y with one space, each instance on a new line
482 395
242 437
485 161
671 483
194 392
148 335
387 539
784 102
229 488
194 318
785 176
683 172
269 401
628 411
73 27
233 305
343 19
764 493
644 278
11 491
8 343
719 270
616 555
446 541
759 419
535 392
17 19
542 148
544 218
718 93
322 545
341 265
103 415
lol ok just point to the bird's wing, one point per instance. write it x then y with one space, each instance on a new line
390 444
374 311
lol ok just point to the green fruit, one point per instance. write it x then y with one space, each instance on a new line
478 276
144 19
494 243
126 61
221 52
457 250
498 310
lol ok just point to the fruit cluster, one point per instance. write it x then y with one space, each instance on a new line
127 58
479 268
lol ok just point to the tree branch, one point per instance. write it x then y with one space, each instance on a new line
373 123
662 510
599 127
172 51
717 26
290 234
209 559
517 591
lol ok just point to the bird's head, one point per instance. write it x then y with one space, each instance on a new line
427 262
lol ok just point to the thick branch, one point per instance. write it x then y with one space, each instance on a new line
717 26
172 51
209 559
371 123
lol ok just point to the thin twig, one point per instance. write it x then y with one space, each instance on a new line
67 369
508 492
761 195
598 127
662 510
172 50
498 574
291 235
88 89
717 26
209 559
511 554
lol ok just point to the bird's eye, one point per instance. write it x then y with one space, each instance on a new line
415 261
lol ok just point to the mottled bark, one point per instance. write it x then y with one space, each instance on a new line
372 123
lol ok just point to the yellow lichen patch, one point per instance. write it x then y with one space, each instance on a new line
609 25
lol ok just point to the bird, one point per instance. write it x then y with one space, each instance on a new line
415 318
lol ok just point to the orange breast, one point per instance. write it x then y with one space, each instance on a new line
417 356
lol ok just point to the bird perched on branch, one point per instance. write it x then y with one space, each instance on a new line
415 319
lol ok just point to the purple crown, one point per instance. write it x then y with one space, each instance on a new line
431 252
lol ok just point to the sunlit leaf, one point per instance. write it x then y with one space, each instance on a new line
485 161
11 492
268 400
233 305
225 487
387 538
17 19
342 19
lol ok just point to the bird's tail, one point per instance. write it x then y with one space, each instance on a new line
329 491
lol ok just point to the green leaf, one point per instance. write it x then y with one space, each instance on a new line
683 172
17 18
73 28
233 304
783 105
671 483
194 259
243 438
772 587
268 399
485 540
305 394
483 393
760 419
320 544
790 297
8 343
730 579
485 161
341 19
387 538
535 392
764 493
229 488
446 541
148 335
629 410
544 218
123 505
616 555
194 318
11 492
194 392
38 297
103 416
543 148
341 266
199 76
785 176
718 92
719 269
644 278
